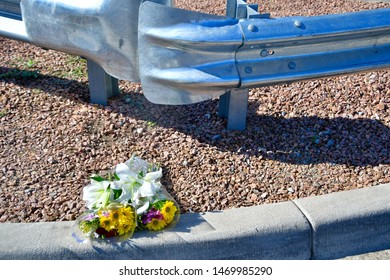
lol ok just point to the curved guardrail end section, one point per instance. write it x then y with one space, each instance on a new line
103 31
184 56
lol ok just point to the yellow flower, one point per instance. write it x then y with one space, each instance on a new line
156 224
115 217
122 220
124 228
168 211
126 220
106 220
126 213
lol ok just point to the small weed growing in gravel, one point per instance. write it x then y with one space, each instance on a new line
30 63
78 67
22 63
150 123
78 72
316 139
3 114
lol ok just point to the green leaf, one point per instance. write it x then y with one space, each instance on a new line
30 63
117 193
97 178
116 177
140 225
159 204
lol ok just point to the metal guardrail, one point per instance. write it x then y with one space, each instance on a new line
102 86
183 57
208 55
10 9
102 31
11 24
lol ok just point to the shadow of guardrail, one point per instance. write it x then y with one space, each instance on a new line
301 140
297 140
33 79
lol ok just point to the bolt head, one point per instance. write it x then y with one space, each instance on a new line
292 65
298 23
248 70
252 27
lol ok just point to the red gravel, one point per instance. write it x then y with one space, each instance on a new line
304 139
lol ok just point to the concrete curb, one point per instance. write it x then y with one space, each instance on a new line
323 227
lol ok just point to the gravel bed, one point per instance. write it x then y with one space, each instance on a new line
303 139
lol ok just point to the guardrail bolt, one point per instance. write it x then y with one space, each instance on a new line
252 27
298 23
292 65
248 70
264 53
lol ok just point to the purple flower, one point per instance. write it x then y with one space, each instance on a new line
152 214
90 217
105 214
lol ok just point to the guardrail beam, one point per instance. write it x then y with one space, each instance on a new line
208 56
184 57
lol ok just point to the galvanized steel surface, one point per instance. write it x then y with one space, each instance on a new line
17 32
183 57
104 31
192 56
297 48
186 57
10 8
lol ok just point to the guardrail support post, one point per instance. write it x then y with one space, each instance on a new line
101 85
233 105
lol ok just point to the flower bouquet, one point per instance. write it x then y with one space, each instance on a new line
126 199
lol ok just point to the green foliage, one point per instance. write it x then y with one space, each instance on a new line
117 193
108 177
159 204
30 63
151 124
78 65
97 178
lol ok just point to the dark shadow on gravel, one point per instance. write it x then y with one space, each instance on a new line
311 140
34 80
298 140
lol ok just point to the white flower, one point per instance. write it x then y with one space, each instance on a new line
142 204
136 186
99 194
